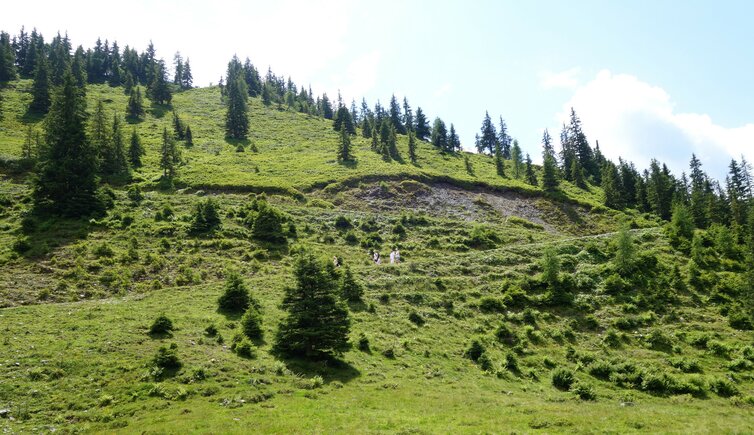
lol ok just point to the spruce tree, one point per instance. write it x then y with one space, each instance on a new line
237 116
392 144
366 127
421 126
412 146
454 143
625 253
488 140
439 134
178 127
27 150
350 289
116 162
235 297
158 89
577 174
344 146
189 137
67 181
7 59
99 136
549 173
408 116
169 157
499 162
529 175
396 118
517 159
188 78
135 150
135 107
78 67
40 88
504 139
317 323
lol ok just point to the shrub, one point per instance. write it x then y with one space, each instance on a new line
103 250
206 217
399 230
243 347
615 284
485 362
211 330
601 369
475 350
251 323
723 388
491 304
657 340
350 289
266 222
612 338
235 297
416 318
739 319
511 362
161 325
719 348
686 365
342 223
506 336
562 379
166 357
584 391
363 343
351 238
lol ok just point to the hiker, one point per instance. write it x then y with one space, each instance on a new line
397 256
376 257
392 256
335 261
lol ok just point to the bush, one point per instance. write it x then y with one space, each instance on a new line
416 318
211 330
161 325
134 194
601 369
103 250
363 343
166 357
206 217
723 388
615 285
584 391
475 350
562 379
739 319
491 304
506 336
342 223
235 297
511 362
686 365
251 323
350 289
243 347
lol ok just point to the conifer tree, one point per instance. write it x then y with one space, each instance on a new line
412 146
366 127
350 289
266 94
549 173
343 120
396 117
169 157
7 59
135 107
189 137
375 144
547 145
67 180
344 146
188 77
529 175
421 127
116 162
78 67
517 159
135 150
392 144
317 323
577 174
408 116
27 150
99 136
178 69
611 185
488 137
439 134
40 89
499 162
178 127
237 116
454 143
158 89
625 254
505 140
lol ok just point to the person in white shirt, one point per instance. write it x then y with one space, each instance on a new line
397 256
392 256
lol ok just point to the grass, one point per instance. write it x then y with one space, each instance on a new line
78 299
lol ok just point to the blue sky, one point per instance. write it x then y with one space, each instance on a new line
648 78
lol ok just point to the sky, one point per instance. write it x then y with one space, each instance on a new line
658 78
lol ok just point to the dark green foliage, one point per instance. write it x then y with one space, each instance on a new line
135 150
158 89
344 146
161 325
550 264
454 143
113 151
625 253
439 135
169 155
40 89
488 141
251 323
167 358
416 318
243 347
529 175
506 336
317 323
237 116
206 217
562 379
266 222
363 343
135 107
681 228
179 128
421 127
723 388
189 136
342 223
67 182
412 146
549 173
475 351
235 297
584 391
343 121
7 59
350 289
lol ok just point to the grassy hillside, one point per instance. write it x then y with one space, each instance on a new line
656 352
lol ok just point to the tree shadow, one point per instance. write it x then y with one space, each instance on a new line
350 164
357 306
160 110
31 116
160 335
133 120
241 144
43 235
330 369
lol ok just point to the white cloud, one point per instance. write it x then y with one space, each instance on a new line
638 121
567 79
